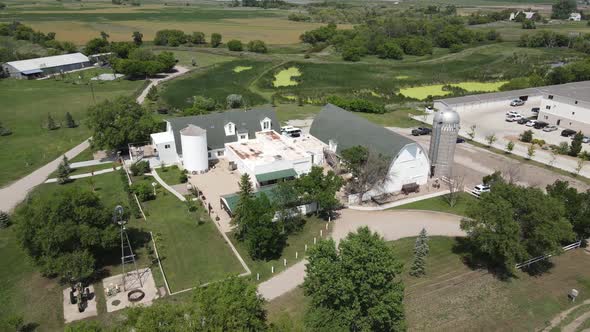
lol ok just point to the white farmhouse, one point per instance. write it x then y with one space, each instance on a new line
247 139
340 129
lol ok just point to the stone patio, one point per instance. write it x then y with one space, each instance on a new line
119 300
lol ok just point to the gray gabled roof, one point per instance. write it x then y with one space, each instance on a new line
348 130
214 124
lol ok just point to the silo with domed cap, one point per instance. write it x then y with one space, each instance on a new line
445 129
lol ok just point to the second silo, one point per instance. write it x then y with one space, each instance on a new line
193 140
445 128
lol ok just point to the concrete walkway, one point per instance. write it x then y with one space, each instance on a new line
89 163
14 193
180 70
165 185
392 225
86 175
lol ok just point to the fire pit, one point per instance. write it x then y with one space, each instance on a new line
135 295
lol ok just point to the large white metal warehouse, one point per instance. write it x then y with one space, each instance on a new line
39 67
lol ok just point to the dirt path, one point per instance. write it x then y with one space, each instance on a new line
555 321
180 70
392 225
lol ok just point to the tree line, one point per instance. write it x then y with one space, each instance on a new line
19 31
392 38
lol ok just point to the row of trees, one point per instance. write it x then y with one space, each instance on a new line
20 31
264 224
511 223
203 105
572 72
256 46
173 37
392 38
552 39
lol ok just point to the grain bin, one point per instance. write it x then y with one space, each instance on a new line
194 149
445 128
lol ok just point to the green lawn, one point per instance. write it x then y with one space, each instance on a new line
286 112
185 57
87 169
295 243
439 204
191 254
85 155
25 108
454 297
170 175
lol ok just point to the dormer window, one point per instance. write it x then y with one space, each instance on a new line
230 129
266 124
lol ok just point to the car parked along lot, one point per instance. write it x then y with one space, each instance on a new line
517 102
421 131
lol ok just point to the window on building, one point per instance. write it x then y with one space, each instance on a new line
547 107
220 153
576 102
266 125
550 97
167 146
546 117
242 136
573 113
230 129
209 154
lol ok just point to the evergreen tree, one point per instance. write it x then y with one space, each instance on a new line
421 250
63 171
152 93
51 125
70 123
244 200
4 219
576 145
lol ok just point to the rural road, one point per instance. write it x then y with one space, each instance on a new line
17 191
392 225
180 70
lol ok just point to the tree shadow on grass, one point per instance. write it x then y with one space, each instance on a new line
538 269
473 259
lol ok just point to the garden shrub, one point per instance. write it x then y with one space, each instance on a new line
140 168
235 45
183 178
356 105
526 136
143 191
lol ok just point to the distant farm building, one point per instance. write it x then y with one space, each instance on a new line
575 17
40 67
527 15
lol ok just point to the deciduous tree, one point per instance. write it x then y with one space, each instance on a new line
355 288
115 123
215 40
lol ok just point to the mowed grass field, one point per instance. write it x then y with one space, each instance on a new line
25 108
80 22
453 297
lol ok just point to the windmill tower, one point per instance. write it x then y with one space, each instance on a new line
445 128
127 255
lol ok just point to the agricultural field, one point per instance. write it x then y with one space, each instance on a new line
25 109
452 296
79 22
511 31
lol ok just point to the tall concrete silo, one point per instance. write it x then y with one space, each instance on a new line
194 149
445 128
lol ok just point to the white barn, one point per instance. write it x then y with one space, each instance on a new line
340 129
39 67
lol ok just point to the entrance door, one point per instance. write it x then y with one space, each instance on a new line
558 122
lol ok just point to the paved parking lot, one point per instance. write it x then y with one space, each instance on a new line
492 120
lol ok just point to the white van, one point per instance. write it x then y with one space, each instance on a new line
291 131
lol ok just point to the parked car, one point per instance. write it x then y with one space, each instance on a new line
511 113
522 121
460 140
291 131
531 123
586 139
568 132
517 102
421 131
480 189
540 125
535 109
550 128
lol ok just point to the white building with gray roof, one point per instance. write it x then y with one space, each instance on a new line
564 105
408 162
39 67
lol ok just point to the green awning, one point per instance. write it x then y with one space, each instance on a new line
276 175
231 200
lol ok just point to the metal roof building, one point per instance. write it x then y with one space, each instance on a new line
39 67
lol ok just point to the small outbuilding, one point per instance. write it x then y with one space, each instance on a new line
40 67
